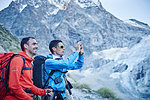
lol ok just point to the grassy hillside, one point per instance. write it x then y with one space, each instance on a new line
7 41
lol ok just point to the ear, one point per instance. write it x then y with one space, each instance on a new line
25 46
54 49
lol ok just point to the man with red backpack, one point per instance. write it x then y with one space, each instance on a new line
20 84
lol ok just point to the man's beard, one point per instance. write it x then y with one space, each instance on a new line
33 53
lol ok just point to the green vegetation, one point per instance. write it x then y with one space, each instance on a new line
107 93
104 92
7 41
82 86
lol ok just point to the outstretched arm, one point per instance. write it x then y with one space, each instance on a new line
53 64
78 64
80 61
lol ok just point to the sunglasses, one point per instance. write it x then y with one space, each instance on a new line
60 46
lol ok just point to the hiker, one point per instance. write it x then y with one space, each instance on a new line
20 82
56 63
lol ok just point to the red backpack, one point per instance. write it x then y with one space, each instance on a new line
5 59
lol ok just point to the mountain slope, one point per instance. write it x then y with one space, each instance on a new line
81 20
7 41
137 23
123 70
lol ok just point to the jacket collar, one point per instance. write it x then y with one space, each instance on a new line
52 56
22 53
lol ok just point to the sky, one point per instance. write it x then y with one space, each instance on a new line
129 9
4 4
122 9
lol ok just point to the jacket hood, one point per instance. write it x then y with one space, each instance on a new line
50 56
22 53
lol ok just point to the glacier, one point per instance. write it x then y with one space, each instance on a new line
116 51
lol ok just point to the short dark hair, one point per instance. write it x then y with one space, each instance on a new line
25 41
53 43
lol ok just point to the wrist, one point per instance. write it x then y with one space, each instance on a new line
45 92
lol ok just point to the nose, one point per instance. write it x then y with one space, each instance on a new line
36 46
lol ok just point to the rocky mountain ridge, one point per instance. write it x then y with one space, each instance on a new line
78 20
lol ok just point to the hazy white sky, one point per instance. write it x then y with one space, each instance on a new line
4 4
122 9
129 9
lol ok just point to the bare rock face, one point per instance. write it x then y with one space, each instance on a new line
86 21
70 21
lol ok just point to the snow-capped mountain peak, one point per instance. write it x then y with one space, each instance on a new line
88 3
106 39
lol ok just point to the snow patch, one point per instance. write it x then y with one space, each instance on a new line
22 7
135 55
37 6
95 53
110 54
114 53
61 4
87 3
115 75
54 12
56 24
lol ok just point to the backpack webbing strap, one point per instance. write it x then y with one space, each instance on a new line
24 67
2 85
7 73
51 73
49 76
3 72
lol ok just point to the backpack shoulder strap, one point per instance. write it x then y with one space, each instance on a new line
51 73
12 55
24 67
7 73
49 76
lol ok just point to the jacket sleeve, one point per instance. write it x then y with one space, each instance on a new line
52 64
37 91
78 64
14 76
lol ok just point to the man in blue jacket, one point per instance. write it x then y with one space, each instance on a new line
59 66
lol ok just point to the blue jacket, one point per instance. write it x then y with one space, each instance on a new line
53 63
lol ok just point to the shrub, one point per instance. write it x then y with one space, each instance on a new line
107 93
82 86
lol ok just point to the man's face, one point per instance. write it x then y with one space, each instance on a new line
59 49
32 46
